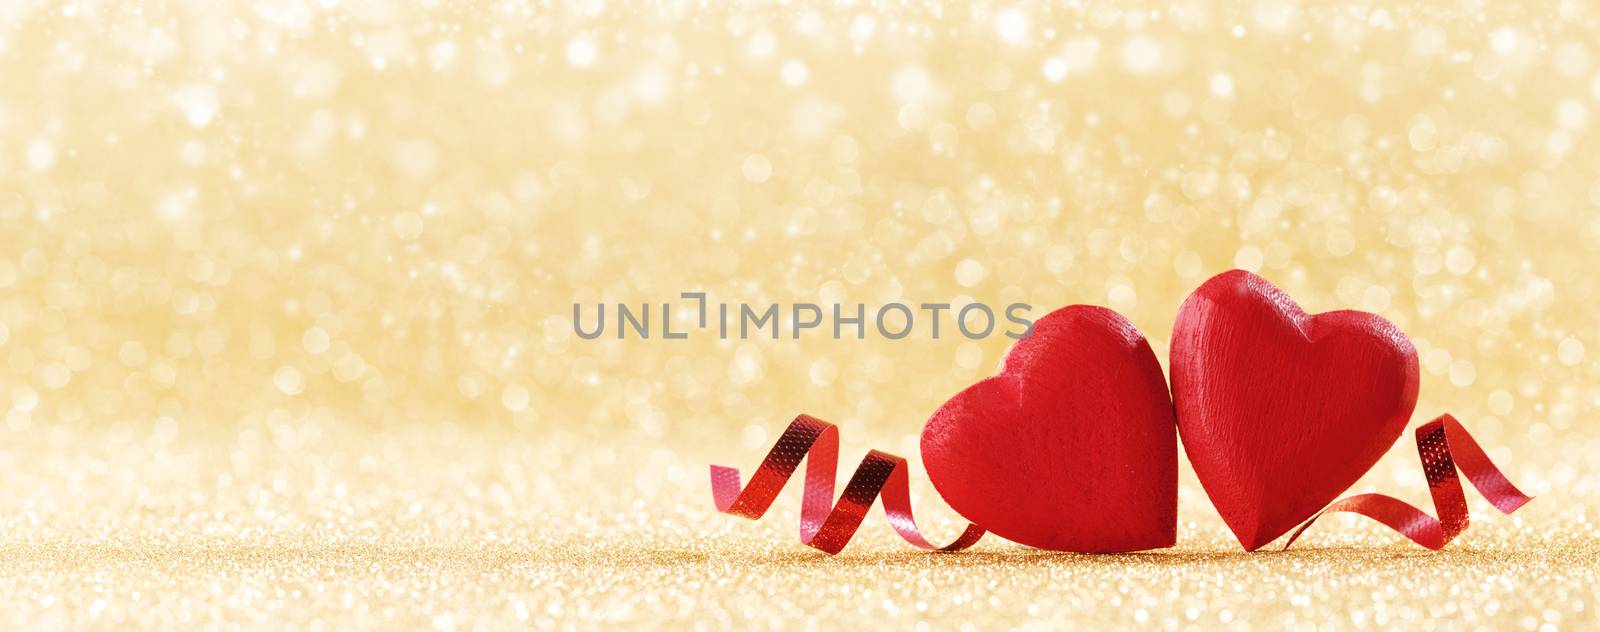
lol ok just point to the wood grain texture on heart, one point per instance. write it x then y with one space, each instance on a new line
1279 410
1071 447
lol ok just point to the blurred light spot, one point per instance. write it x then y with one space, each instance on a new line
198 103
1142 54
41 155
1570 351
408 225
288 380
1248 258
582 51
794 72
756 168
969 273
1222 85
1012 25
514 397
1504 40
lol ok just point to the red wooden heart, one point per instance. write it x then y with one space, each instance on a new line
1279 410
1071 447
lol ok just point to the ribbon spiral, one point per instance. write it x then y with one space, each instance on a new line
824 525
1444 446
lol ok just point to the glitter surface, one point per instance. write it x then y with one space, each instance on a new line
286 292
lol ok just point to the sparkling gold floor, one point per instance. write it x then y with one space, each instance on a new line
292 526
397 580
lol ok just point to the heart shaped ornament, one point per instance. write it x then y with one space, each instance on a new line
1281 411
1072 447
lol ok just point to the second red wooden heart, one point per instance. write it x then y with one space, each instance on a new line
1280 410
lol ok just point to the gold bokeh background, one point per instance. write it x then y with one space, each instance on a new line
286 293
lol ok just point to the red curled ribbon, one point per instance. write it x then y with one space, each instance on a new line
824 525
1444 446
